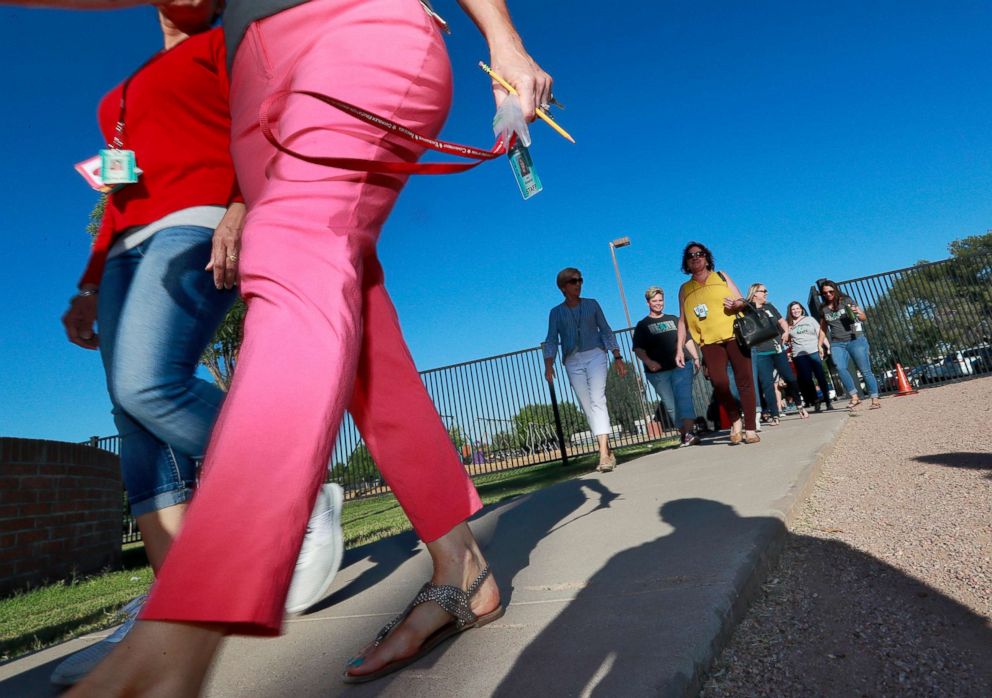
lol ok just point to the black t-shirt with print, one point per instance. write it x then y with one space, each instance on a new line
840 322
769 345
658 337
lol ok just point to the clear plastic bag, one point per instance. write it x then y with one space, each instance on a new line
509 119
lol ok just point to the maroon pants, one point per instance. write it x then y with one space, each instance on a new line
716 357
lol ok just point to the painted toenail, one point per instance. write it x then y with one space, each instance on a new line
356 661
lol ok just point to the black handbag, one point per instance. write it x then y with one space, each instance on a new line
754 327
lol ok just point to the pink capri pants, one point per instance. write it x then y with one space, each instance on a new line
321 333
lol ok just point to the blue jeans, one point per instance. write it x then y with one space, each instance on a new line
766 363
807 366
158 310
759 394
856 349
674 387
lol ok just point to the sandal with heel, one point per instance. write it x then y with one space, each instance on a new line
451 599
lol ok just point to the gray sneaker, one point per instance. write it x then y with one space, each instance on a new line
320 554
76 666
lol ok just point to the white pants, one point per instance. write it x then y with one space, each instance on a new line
587 373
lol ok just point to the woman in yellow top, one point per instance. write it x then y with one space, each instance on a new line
708 303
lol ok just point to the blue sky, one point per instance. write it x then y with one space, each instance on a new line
797 140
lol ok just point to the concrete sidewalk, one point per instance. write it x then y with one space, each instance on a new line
623 584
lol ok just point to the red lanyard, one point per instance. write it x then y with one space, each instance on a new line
118 141
432 168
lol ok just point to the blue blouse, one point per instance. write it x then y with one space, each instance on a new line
581 328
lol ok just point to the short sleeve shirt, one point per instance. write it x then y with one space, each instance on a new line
658 337
839 322
804 335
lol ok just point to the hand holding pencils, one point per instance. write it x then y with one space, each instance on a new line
541 114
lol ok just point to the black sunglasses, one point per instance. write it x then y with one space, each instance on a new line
574 281
694 255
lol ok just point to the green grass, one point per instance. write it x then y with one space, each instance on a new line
42 617
49 615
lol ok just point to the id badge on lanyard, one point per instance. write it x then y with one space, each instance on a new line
117 163
117 166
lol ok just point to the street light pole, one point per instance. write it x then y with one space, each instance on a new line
641 388
614 244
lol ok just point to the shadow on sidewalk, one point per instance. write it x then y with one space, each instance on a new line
387 554
525 523
646 622
522 523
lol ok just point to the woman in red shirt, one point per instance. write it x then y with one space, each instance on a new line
160 280
145 280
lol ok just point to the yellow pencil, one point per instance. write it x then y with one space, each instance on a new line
540 112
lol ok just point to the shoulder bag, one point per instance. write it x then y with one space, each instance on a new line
753 327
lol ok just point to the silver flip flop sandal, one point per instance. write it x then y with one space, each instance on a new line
451 599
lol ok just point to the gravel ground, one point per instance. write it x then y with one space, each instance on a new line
884 587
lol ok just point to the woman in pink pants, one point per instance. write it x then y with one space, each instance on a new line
321 336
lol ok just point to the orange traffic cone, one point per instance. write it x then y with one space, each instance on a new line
902 383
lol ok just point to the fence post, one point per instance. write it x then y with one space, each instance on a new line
94 441
558 428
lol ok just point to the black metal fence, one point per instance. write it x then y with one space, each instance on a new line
501 413
933 319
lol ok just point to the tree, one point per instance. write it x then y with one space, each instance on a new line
973 244
221 354
339 472
96 216
461 443
360 467
534 425
624 400
933 308
458 439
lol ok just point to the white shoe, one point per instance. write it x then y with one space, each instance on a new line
320 554
76 666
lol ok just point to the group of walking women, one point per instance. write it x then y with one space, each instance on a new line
709 303
216 203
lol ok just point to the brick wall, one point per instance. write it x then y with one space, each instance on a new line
60 511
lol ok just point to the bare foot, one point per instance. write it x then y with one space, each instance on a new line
156 660
457 568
